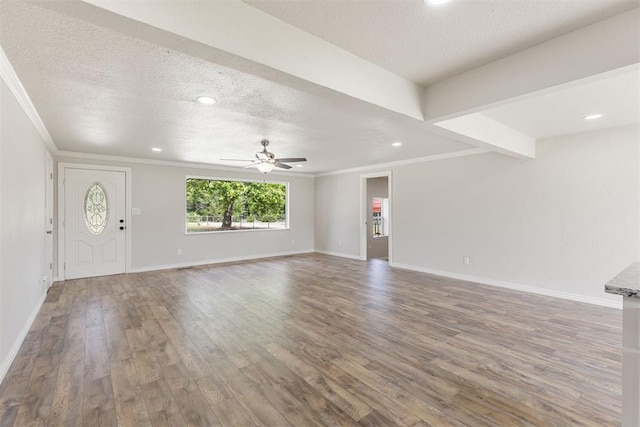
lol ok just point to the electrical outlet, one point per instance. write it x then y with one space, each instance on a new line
339 242
466 260
179 251
293 242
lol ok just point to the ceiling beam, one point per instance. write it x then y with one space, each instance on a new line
599 48
237 28
234 34
488 133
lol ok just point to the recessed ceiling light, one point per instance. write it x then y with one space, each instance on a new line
436 2
592 116
156 149
396 144
299 166
205 100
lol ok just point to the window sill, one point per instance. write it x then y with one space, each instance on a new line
255 230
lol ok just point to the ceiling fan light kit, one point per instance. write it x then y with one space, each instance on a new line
267 161
265 167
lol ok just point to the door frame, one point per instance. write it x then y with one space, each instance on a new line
364 211
49 218
61 218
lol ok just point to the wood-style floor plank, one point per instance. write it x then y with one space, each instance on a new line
311 340
98 403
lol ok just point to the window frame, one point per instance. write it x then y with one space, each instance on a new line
286 184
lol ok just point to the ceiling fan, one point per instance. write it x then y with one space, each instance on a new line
266 161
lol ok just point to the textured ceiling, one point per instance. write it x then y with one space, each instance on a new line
102 92
104 84
426 44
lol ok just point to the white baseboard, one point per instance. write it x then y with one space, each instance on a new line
515 286
338 254
8 360
216 261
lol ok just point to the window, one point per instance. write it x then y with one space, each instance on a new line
96 208
380 211
220 205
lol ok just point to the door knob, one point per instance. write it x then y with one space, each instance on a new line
121 221
121 228
49 231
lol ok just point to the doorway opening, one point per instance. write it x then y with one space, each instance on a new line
375 212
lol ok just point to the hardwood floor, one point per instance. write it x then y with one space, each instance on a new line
311 340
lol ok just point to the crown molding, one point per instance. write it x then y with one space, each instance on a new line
460 153
139 160
12 81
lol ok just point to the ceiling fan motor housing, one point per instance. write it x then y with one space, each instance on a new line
265 155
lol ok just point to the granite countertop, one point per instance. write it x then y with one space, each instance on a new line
626 283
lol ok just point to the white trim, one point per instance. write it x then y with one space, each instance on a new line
138 160
338 254
363 213
514 286
244 230
15 86
226 178
287 209
61 247
461 153
8 360
217 261
49 214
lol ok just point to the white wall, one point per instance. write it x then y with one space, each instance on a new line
562 224
376 247
337 218
157 234
22 232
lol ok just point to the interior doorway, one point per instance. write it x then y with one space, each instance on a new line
375 211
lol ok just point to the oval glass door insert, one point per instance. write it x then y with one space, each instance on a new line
96 208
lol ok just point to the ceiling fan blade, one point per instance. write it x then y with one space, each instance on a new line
292 159
265 156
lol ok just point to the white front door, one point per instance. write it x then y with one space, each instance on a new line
94 222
